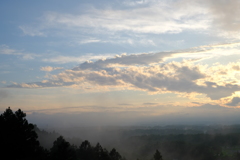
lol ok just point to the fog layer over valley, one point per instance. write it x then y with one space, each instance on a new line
183 142
173 141
202 132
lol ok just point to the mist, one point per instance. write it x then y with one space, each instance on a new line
204 115
135 135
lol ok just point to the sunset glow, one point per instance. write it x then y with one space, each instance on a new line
129 61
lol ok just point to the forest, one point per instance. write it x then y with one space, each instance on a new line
21 140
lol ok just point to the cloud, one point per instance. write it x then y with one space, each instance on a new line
154 73
142 18
193 54
141 59
150 104
137 2
226 14
155 17
4 49
43 84
208 107
125 104
49 68
70 59
196 103
236 67
78 108
104 116
172 77
89 41
31 31
234 102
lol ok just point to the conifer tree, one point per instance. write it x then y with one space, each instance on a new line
18 138
157 155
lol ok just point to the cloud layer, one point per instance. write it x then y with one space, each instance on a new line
158 17
142 17
152 73
234 102
4 49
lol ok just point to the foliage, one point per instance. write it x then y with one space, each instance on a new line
17 136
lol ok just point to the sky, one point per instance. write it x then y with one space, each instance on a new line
121 62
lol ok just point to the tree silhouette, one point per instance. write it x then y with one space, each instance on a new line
18 141
18 138
100 153
86 151
62 150
157 155
115 155
98 150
